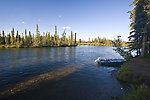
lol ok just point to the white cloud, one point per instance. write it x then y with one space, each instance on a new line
59 16
66 27
39 20
22 22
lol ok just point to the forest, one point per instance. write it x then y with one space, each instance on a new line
36 40
139 38
101 42
47 40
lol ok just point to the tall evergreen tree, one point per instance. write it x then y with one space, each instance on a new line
75 37
3 38
22 40
71 38
33 39
17 35
7 39
49 38
30 38
63 38
44 39
139 32
26 37
12 37
79 40
0 39
55 35
37 40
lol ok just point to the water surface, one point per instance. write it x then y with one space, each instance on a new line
72 71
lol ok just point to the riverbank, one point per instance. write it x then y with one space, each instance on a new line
32 46
101 44
136 72
95 44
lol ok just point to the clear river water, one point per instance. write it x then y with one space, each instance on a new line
62 73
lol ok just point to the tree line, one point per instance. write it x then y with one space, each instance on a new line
99 42
139 38
30 40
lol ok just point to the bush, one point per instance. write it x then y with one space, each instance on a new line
123 73
140 93
126 75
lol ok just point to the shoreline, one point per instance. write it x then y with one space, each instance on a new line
28 46
135 73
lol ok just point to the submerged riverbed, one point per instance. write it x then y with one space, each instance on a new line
58 73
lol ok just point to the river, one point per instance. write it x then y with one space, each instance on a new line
61 73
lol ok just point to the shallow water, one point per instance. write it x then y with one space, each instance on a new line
69 73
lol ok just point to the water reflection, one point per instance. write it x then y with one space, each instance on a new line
55 54
48 55
62 54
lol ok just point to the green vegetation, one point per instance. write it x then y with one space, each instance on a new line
140 27
123 73
29 40
136 72
99 42
121 48
140 93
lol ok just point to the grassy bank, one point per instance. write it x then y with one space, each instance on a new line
136 72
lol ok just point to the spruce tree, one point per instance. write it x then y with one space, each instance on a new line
48 38
7 39
3 38
0 39
12 37
43 39
55 35
33 39
22 40
37 40
17 35
139 27
71 38
30 38
75 37
26 37
63 37
80 41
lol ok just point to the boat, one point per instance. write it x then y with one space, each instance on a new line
112 62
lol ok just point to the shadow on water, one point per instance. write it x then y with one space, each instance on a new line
56 74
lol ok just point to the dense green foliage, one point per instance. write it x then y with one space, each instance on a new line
126 75
99 42
120 48
140 27
123 73
29 40
140 93
136 72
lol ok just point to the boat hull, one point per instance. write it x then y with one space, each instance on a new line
112 62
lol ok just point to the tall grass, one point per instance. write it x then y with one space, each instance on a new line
140 93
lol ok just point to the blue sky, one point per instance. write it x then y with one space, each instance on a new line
89 18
